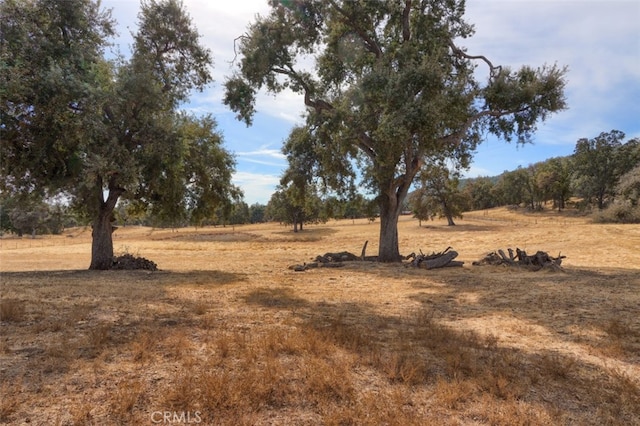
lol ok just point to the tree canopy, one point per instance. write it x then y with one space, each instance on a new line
438 194
600 162
97 130
390 87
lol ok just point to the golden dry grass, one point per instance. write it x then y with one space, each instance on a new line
225 333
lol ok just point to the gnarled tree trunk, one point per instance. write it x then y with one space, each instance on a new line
102 241
390 202
102 238
390 208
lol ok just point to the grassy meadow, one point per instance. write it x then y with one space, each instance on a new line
225 333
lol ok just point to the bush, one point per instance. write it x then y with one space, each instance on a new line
618 213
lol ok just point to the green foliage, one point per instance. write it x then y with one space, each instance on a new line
516 187
50 61
287 206
391 90
629 186
618 213
604 165
553 180
438 194
240 214
98 131
257 213
481 193
31 214
599 164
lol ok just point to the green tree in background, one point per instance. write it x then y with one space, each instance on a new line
629 186
480 193
440 193
600 162
391 86
553 178
287 206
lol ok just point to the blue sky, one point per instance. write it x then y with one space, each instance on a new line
599 40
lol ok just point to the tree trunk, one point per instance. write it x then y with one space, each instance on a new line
390 207
102 243
601 200
388 250
102 239
450 221
448 214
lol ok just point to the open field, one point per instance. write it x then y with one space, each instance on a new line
226 334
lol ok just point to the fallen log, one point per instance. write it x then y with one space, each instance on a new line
425 261
435 260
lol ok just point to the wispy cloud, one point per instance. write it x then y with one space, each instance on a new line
264 152
257 187
476 172
263 157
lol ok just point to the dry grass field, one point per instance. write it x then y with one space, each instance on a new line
226 334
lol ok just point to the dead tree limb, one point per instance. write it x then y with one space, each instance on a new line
435 260
535 262
364 250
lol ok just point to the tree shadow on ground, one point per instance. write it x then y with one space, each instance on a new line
596 308
416 349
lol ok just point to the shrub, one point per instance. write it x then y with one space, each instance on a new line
618 213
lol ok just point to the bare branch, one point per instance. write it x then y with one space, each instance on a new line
319 104
493 70
235 51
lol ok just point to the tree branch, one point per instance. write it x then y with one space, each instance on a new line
365 145
235 52
319 105
458 135
406 29
115 192
493 70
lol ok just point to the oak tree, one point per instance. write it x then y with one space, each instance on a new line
600 162
389 85
439 194
98 130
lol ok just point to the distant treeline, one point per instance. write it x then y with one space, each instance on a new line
603 174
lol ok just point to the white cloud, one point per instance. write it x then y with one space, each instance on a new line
263 152
263 156
257 187
475 171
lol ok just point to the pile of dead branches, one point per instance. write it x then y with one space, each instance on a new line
535 262
434 260
130 262
334 260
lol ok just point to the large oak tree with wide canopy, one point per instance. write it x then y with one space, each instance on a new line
389 86
95 130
